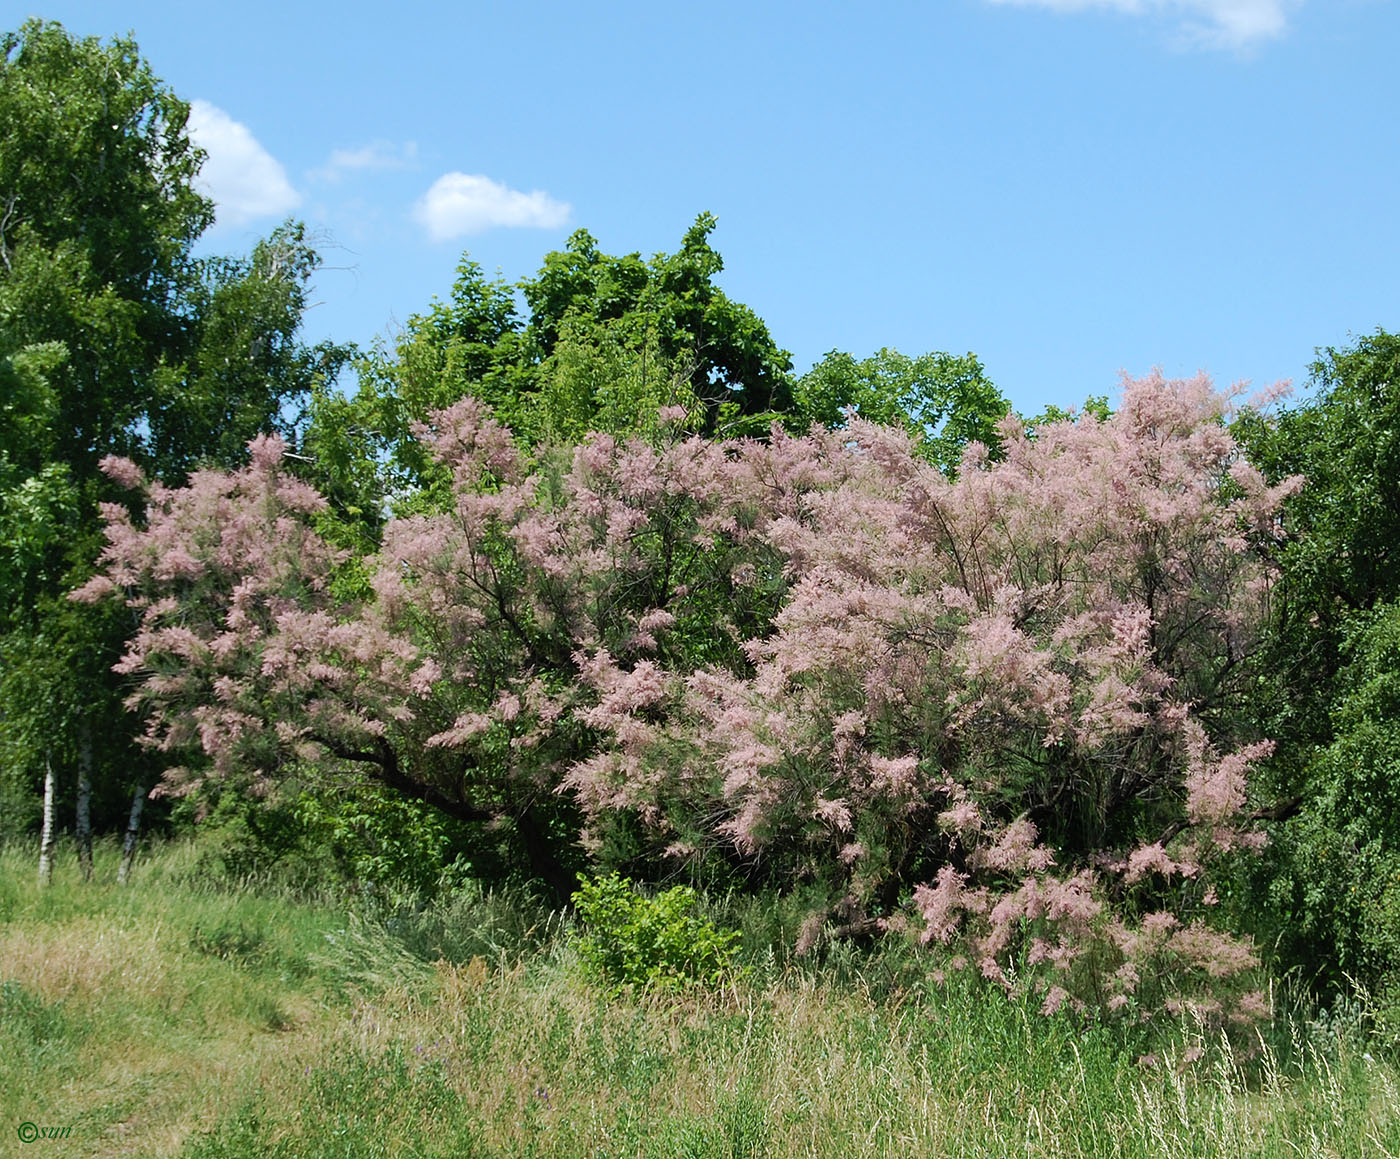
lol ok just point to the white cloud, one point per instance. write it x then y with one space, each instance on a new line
244 179
375 155
462 203
1231 24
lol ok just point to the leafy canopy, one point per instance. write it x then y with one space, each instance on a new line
602 343
943 400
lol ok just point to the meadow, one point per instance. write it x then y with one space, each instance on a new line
192 1014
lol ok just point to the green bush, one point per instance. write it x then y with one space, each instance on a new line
380 838
661 941
329 837
1335 888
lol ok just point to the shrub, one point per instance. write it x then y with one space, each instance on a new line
633 940
1335 887
1006 708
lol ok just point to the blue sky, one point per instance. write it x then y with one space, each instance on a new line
1069 188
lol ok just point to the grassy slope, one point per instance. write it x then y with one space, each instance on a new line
173 1018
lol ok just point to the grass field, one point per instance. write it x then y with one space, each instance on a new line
184 1015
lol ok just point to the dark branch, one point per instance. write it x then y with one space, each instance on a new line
387 761
1278 811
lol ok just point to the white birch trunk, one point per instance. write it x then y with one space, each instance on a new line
133 829
83 827
46 837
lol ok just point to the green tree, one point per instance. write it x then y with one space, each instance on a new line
602 343
1343 549
732 366
153 353
1095 405
1328 691
99 214
114 339
37 498
244 368
945 400
1336 885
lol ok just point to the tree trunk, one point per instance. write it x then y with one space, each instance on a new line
46 838
133 829
544 864
83 827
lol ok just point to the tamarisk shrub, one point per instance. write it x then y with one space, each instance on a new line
1004 699
252 676
550 600
995 711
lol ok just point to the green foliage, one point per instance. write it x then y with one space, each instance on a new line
38 517
945 400
114 339
605 342
27 401
60 704
1336 875
671 299
1095 405
661 941
244 370
382 839
1346 522
342 839
145 350
1343 548
1329 893
604 376
20 809
99 214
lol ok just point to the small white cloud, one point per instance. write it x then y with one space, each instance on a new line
1237 24
463 203
244 179
375 155
1230 24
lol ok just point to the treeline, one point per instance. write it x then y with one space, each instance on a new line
1101 700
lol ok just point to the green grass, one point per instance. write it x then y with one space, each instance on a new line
176 1017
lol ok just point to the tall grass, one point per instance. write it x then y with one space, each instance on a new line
179 1017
